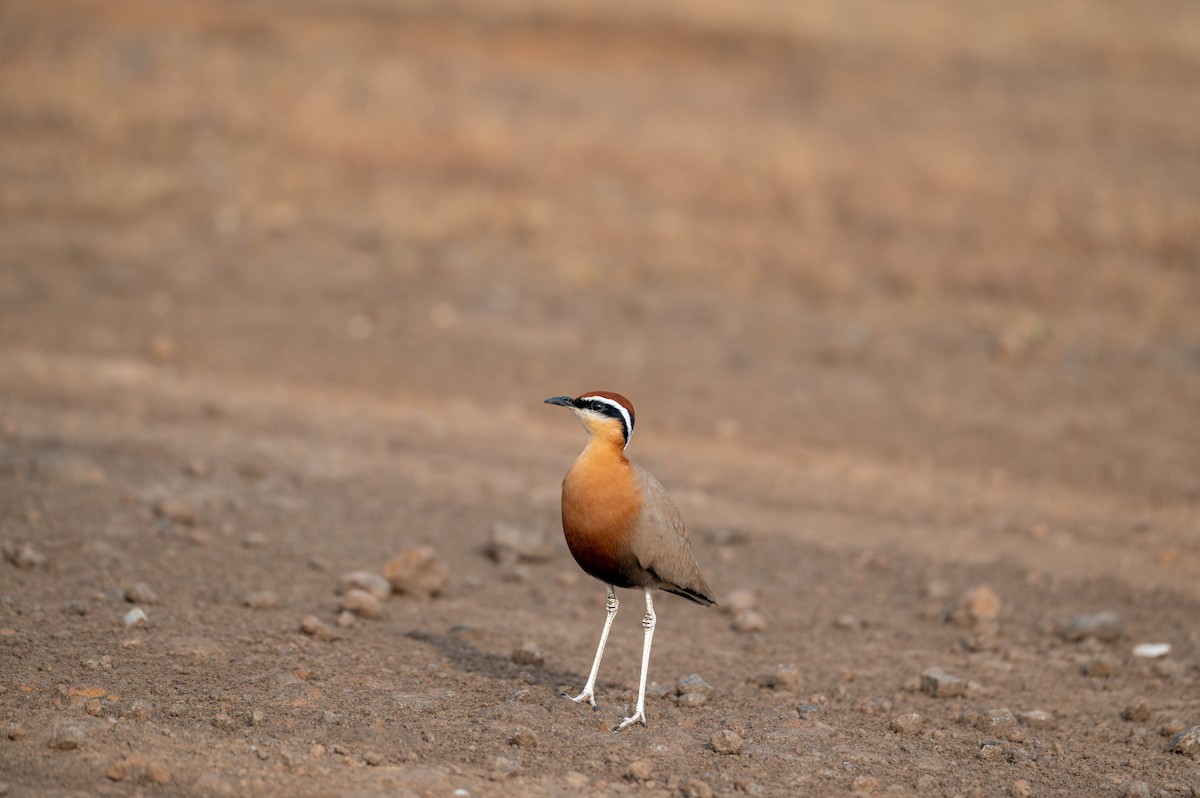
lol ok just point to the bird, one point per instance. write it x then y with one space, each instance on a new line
622 528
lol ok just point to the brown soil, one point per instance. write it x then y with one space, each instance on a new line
906 298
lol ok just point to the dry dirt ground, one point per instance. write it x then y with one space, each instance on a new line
906 297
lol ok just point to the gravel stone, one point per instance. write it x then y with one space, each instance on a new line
76 607
369 581
66 737
262 600
225 722
1137 712
639 770
1102 666
177 511
691 700
417 572
1104 626
503 768
978 605
1020 789
312 625
996 721
740 601
141 593
807 711
23 555
912 723
362 604
749 621
524 738
1036 719
940 684
135 617
373 758
693 684
727 742
509 543
255 540
1136 789
1187 742
528 654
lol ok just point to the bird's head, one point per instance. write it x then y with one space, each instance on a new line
604 414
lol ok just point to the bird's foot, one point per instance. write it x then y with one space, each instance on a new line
587 695
637 717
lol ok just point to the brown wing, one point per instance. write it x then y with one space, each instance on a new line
661 544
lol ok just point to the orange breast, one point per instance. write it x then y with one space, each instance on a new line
599 502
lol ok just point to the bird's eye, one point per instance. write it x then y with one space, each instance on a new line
598 407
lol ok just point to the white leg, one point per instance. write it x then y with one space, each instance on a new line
639 715
588 693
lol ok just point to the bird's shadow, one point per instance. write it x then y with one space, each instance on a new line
466 657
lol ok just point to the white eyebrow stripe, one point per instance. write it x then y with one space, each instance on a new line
618 406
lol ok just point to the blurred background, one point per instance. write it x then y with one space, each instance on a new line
956 236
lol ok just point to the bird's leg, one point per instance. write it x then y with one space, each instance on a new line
639 715
588 694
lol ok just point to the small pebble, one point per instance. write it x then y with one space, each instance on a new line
1136 789
312 625
528 654
807 711
990 752
65 738
1102 666
524 738
940 684
749 621
691 700
225 722
417 572
1151 650
17 732
695 788
727 742
1036 719
1020 789
23 555
262 600
346 619
693 684
257 718
373 758
134 617
503 768
739 601
1138 712
996 721
912 723
141 593
1172 727
94 707
362 604
255 540
978 605
639 770
1187 742
177 511
509 543
1106 627
76 607
369 581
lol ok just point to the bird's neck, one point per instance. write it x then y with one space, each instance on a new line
601 457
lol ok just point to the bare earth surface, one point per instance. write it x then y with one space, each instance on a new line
906 298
